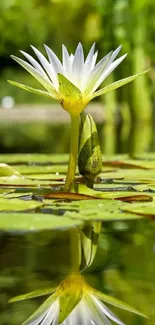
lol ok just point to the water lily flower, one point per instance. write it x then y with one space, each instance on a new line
73 83
74 302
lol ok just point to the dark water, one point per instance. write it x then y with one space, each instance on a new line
124 267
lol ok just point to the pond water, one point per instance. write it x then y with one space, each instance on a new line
123 267
35 232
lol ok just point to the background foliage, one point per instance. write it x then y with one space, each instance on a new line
108 23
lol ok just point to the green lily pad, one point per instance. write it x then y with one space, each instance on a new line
6 170
35 222
18 205
142 209
100 210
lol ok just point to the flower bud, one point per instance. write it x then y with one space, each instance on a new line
89 157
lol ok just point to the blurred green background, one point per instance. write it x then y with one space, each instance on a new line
54 22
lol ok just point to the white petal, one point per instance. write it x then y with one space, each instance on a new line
71 60
66 60
47 66
78 64
107 71
38 320
35 73
54 60
94 59
34 63
85 313
52 315
90 55
114 54
87 71
96 73
106 311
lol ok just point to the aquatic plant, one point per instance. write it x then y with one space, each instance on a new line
74 302
73 83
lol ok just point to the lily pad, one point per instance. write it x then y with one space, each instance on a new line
18 205
147 210
35 222
6 170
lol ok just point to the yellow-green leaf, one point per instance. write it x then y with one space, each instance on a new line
33 294
67 89
8 171
32 90
117 303
118 84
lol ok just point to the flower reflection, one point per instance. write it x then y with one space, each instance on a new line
74 302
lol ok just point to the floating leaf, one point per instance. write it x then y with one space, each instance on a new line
7 171
147 210
18 205
35 222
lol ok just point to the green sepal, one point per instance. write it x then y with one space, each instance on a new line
33 294
67 88
70 97
118 84
68 302
69 296
32 90
117 303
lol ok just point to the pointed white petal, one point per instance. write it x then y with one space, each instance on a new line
37 320
34 63
94 59
35 73
66 61
78 64
51 315
107 71
54 60
106 311
47 66
96 73
114 54
95 314
90 55
87 70
48 318
85 313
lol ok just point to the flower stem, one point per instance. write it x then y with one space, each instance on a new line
75 245
74 140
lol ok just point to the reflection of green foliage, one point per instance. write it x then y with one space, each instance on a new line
127 273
